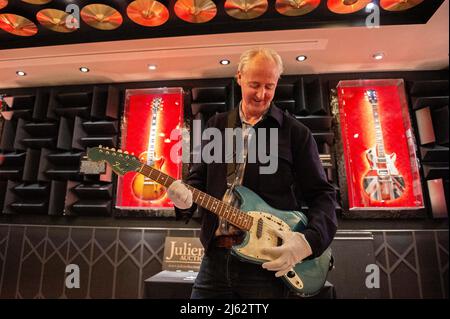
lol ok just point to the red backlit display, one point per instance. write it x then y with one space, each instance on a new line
379 148
150 116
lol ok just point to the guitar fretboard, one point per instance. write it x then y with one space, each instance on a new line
152 136
233 215
378 130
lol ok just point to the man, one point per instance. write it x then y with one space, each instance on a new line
221 274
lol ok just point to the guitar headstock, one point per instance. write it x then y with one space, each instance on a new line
157 104
372 96
121 162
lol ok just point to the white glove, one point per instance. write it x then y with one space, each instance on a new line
180 195
294 249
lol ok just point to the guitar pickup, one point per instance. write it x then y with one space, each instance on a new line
382 172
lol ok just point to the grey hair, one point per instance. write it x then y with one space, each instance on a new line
248 55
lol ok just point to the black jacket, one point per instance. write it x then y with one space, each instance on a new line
299 171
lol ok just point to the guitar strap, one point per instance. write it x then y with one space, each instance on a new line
232 167
235 172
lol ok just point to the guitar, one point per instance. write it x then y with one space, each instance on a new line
382 182
255 217
143 187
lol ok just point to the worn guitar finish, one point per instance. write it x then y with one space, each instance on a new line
255 217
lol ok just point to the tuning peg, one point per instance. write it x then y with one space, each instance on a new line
100 146
119 151
125 152
132 153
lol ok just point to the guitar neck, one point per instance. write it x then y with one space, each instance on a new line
378 130
152 138
214 205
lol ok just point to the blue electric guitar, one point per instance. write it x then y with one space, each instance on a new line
255 217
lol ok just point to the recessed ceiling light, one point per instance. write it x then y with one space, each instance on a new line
378 56
301 58
20 73
152 67
84 69
224 62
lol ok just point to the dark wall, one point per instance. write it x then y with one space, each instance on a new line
51 127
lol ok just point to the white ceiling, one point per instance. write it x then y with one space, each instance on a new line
329 50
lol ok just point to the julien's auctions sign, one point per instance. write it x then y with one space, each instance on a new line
182 253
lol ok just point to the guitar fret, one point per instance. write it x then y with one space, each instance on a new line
195 195
227 212
207 203
220 211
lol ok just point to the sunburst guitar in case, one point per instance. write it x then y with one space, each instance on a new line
254 216
383 181
145 188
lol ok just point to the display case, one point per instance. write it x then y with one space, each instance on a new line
149 130
379 149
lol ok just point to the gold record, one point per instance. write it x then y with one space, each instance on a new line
148 13
3 3
37 1
17 25
295 8
55 20
245 9
399 5
101 16
347 6
195 11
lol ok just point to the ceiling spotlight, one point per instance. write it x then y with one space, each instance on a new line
21 73
378 56
370 6
84 69
301 58
152 67
224 62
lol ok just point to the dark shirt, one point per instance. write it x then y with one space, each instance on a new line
299 171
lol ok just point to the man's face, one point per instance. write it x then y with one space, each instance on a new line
258 82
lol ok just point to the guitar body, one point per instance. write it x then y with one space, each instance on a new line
143 187
382 182
309 276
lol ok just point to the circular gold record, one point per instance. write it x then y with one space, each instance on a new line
245 9
148 13
195 11
17 25
37 1
295 8
399 5
101 16
3 3
347 6
56 20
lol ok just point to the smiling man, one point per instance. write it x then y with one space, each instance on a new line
299 170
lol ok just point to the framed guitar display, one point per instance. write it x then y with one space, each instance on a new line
379 152
150 117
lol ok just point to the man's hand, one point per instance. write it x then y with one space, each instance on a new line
180 195
294 249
